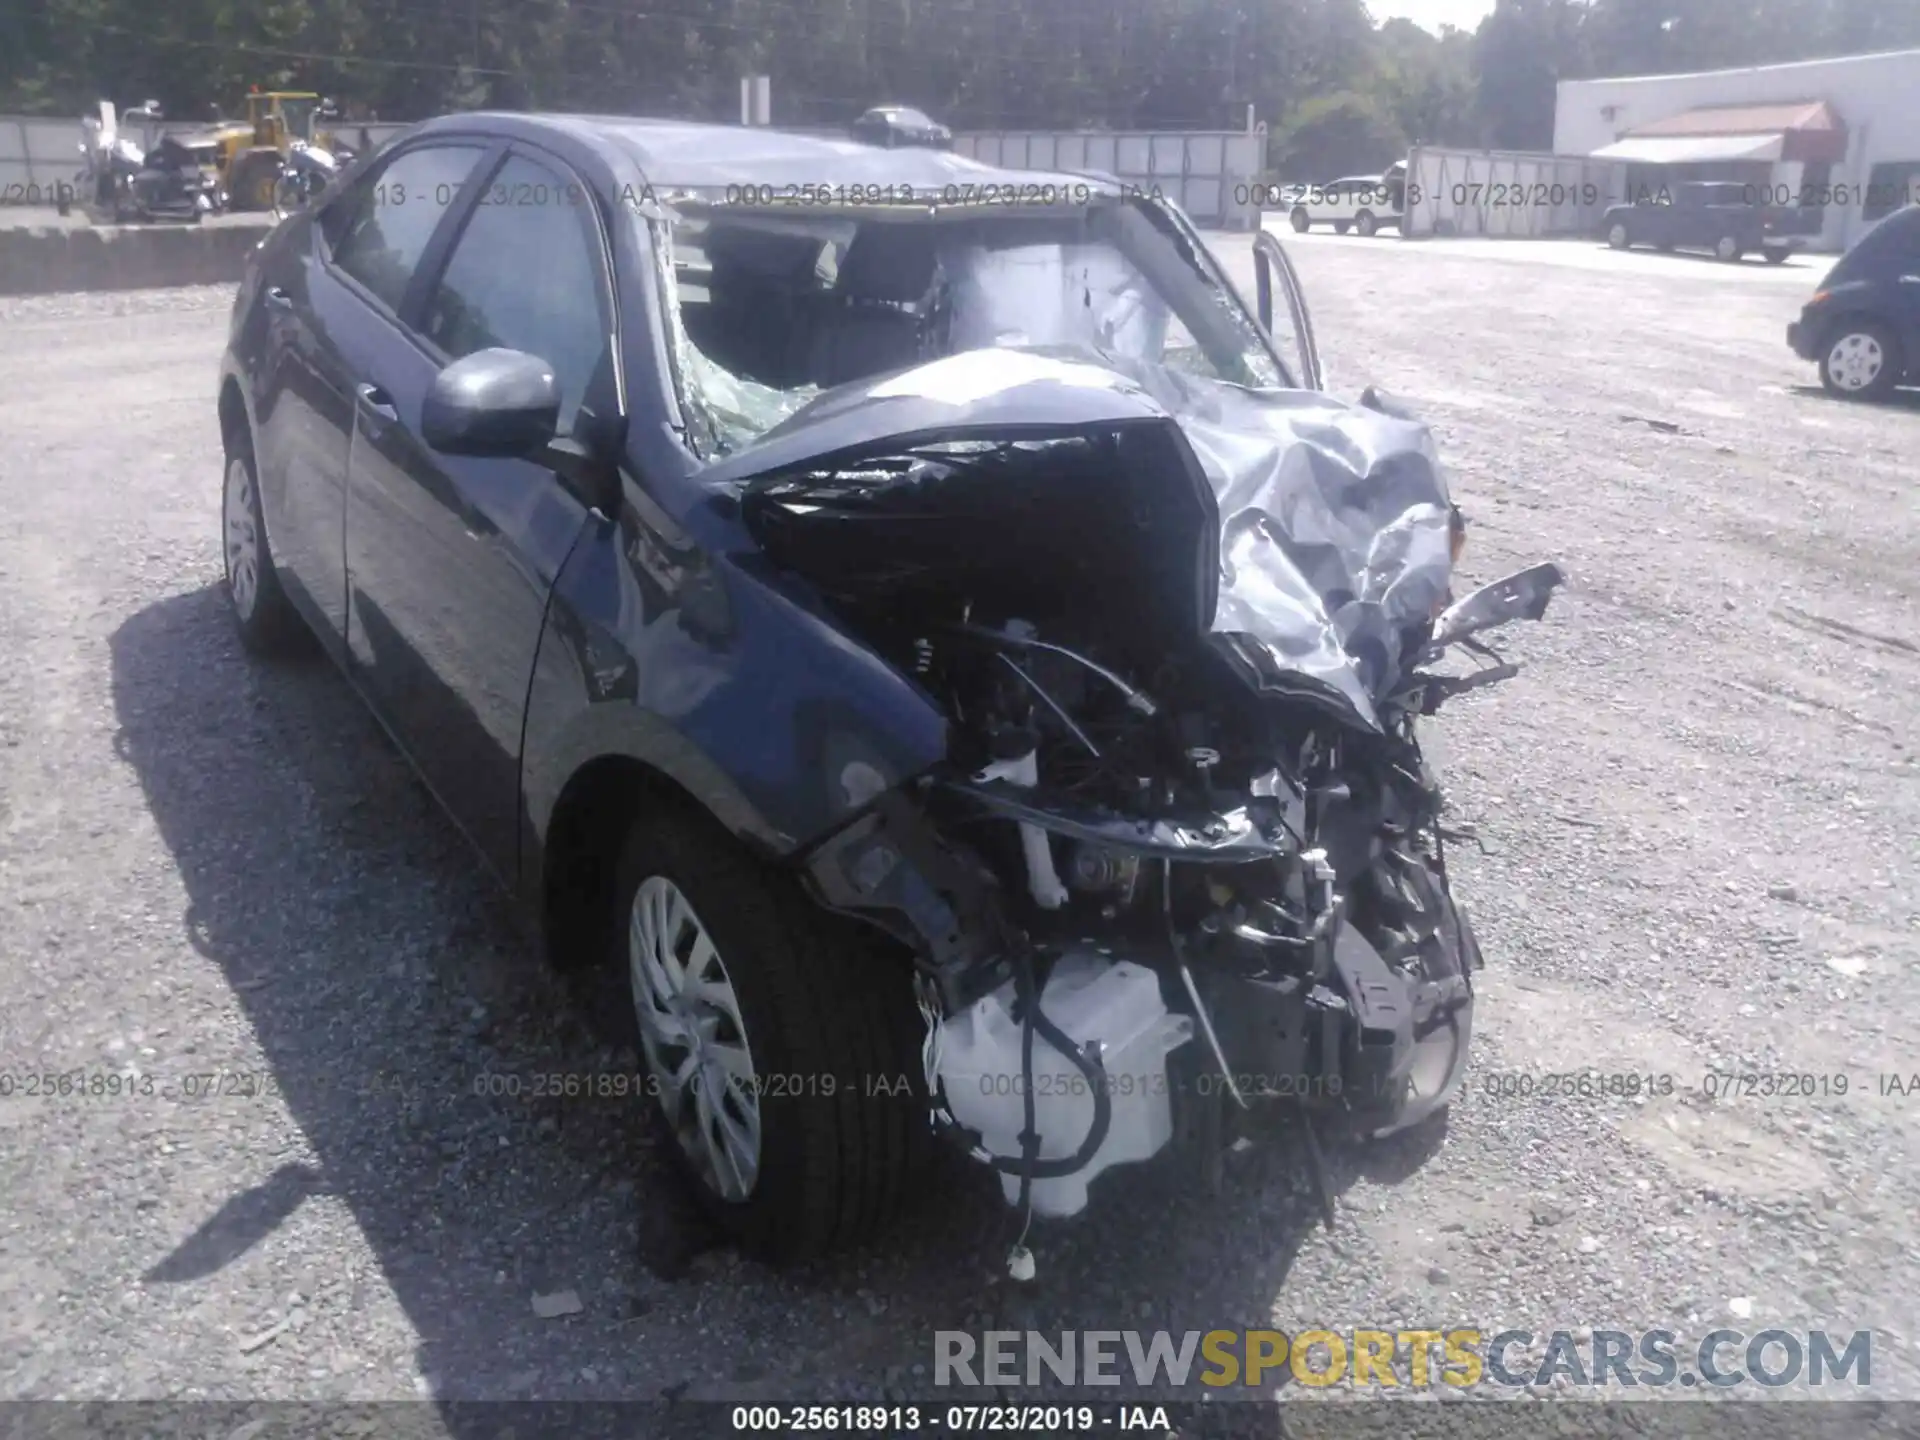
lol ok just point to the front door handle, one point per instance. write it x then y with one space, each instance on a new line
378 401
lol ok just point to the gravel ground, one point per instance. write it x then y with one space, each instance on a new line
1699 805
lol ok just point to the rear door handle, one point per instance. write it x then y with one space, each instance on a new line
278 299
378 401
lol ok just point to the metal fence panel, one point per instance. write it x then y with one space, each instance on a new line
1508 193
1133 154
1208 173
36 154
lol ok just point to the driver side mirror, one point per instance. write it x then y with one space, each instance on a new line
496 404
505 405
1271 269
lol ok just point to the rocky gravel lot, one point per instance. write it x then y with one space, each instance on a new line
1700 806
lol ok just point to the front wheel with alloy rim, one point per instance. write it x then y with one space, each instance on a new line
265 618
1862 361
1727 248
1617 236
1301 221
782 1043
1365 223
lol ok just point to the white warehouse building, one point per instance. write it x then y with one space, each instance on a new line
1841 136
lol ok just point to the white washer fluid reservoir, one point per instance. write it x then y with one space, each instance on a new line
1090 998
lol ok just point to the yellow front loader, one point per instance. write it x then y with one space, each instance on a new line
251 152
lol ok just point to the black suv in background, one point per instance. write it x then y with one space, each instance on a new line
1863 323
1715 215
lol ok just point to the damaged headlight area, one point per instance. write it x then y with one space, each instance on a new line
1151 899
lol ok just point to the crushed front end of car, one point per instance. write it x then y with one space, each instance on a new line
1182 865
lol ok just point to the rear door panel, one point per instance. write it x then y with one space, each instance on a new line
302 429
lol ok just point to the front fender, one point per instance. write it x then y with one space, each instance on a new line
716 673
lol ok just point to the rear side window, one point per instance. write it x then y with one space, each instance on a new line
525 275
381 230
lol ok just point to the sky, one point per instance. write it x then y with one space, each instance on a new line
1432 14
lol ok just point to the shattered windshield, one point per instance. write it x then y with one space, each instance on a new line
774 307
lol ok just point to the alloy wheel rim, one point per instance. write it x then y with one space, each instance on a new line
694 1038
1617 237
1727 248
1855 361
243 539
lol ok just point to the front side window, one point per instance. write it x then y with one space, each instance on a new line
526 275
380 230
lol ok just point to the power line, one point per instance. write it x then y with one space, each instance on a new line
237 48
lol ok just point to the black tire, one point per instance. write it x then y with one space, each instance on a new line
1365 224
1777 254
250 182
1729 249
1340 227
269 626
1300 220
830 1020
1885 379
1618 236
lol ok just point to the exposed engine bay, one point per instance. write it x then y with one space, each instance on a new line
1185 861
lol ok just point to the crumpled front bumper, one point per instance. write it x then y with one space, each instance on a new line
1366 1043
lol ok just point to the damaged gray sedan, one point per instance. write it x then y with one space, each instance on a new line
910 619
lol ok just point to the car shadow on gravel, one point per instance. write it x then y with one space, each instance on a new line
1907 397
405 1020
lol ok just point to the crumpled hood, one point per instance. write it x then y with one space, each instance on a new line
1334 530
1333 518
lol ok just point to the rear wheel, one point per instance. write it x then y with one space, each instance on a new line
1300 220
266 619
1365 223
1776 254
1617 236
1727 247
781 1043
1862 361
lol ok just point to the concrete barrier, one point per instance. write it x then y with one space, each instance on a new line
53 259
